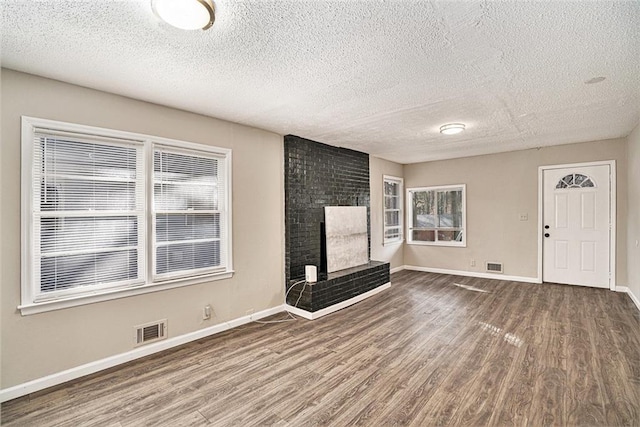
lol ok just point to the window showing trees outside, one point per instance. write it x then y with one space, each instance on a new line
437 215
392 209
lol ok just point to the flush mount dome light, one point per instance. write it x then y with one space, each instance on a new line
452 128
185 14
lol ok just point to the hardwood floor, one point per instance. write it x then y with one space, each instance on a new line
432 350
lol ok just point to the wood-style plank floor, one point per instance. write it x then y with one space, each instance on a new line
432 350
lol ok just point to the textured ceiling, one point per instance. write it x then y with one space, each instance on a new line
375 76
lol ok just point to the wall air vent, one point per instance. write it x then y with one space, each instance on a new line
494 267
151 332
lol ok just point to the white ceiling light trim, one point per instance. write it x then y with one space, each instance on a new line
185 14
452 128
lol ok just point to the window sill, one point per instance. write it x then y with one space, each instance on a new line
446 244
59 304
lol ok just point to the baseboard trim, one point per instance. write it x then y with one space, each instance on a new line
635 300
309 315
474 274
109 362
396 269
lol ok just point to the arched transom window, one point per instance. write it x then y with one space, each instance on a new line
575 180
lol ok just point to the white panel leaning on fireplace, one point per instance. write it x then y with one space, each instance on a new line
346 235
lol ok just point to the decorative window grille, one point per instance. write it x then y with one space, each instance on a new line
575 180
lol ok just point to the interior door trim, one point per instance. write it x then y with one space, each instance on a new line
612 214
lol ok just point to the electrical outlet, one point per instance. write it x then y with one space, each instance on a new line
473 263
206 313
524 217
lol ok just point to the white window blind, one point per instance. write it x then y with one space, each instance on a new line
189 212
88 212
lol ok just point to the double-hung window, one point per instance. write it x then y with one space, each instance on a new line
188 220
392 209
87 196
437 215
109 213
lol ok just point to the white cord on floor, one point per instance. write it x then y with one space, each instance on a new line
292 317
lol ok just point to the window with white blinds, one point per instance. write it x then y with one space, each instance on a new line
88 211
392 193
105 210
188 198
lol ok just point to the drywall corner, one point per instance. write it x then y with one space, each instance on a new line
633 212
392 253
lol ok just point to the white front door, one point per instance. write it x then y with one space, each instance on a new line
576 225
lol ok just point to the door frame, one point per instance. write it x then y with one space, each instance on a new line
612 213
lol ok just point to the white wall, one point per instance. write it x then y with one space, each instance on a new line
1 276
392 253
500 187
38 345
633 217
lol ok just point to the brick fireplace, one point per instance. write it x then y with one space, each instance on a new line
319 175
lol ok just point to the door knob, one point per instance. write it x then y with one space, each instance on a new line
547 234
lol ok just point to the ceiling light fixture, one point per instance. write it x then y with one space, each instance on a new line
185 14
452 128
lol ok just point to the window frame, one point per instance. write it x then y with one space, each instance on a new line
32 299
409 210
393 241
